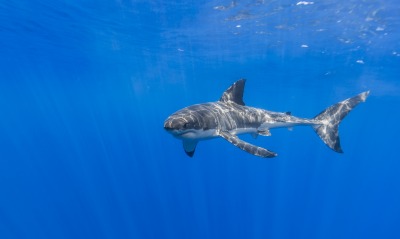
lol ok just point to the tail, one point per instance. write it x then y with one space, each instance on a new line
331 117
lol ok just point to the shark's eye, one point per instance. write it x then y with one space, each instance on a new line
185 125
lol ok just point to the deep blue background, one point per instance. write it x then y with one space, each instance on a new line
86 85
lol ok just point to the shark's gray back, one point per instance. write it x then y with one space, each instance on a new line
223 116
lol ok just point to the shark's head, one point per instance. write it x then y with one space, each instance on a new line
182 125
200 121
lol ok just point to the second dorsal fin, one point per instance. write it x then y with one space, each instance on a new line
234 93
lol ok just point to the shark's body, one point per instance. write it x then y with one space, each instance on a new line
229 117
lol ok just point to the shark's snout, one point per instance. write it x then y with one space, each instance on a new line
167 125
172 123
168 128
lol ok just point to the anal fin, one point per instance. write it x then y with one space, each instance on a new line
252 149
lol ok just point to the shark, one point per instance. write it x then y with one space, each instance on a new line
229 117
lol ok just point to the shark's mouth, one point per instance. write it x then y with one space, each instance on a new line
183 132
177 132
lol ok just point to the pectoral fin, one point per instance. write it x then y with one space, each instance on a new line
252 149
189 146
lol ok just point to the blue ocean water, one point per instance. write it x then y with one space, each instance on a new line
85 87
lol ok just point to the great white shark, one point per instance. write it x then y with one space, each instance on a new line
229 117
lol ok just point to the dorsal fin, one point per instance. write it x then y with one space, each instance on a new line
234 93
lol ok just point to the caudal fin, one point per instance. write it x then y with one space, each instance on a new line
331 117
